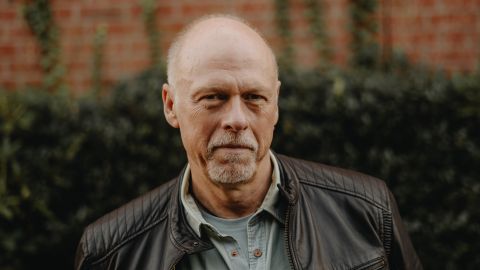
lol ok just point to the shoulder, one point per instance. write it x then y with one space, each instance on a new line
312 175
123 224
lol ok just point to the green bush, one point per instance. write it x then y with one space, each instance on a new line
66 162
417 130
69 161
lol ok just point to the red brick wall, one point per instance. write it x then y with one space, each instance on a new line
18 53
441 33
444 34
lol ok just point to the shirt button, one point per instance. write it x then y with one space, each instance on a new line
257 253
234 253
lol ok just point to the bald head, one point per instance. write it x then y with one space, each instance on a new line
221 37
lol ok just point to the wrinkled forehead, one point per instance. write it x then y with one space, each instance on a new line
225 44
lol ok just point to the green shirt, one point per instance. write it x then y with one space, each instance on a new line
252 242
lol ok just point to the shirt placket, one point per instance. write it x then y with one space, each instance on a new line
256 243
229 249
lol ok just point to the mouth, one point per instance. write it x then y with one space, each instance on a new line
234 147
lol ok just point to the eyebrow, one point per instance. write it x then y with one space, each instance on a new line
220 89
209 88
224 86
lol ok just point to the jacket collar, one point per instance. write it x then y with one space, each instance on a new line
289 181
184 237
192 208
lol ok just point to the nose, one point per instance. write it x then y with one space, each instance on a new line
235 118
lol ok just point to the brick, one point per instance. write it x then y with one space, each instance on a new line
8 84
21 66
468 20
3 35
200 9
174 27
120 29
7 15
16 33
189 9
456 38
5 71
427 3
7 49
254 7
75 31
164 11
136 11
138 65
100 13
140 47
77 65
62 13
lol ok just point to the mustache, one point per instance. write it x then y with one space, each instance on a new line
232 140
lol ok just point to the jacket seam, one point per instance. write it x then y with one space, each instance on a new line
340 190
175 198
85 249
381 226
387 227
128 239
176 243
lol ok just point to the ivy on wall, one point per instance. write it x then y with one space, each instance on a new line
98 52
283 24
314 13
363 30
38 16
151 29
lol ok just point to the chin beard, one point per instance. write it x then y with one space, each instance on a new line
232 169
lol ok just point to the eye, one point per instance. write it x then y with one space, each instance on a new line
253 97
214 97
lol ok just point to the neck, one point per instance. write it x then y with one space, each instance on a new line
232 200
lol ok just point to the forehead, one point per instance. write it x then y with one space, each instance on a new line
224 45
207 80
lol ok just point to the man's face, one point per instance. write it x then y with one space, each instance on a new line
225 104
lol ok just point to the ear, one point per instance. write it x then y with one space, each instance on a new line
278 96
168 98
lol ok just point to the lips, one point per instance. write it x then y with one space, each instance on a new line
234 146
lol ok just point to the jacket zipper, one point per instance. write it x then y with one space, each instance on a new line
287 238
288 244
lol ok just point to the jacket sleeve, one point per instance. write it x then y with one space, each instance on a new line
402 254
81 255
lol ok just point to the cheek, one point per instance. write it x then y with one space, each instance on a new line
195 131
264 130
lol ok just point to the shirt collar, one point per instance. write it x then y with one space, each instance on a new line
271 202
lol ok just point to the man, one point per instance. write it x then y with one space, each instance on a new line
237 205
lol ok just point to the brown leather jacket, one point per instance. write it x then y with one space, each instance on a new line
335 219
